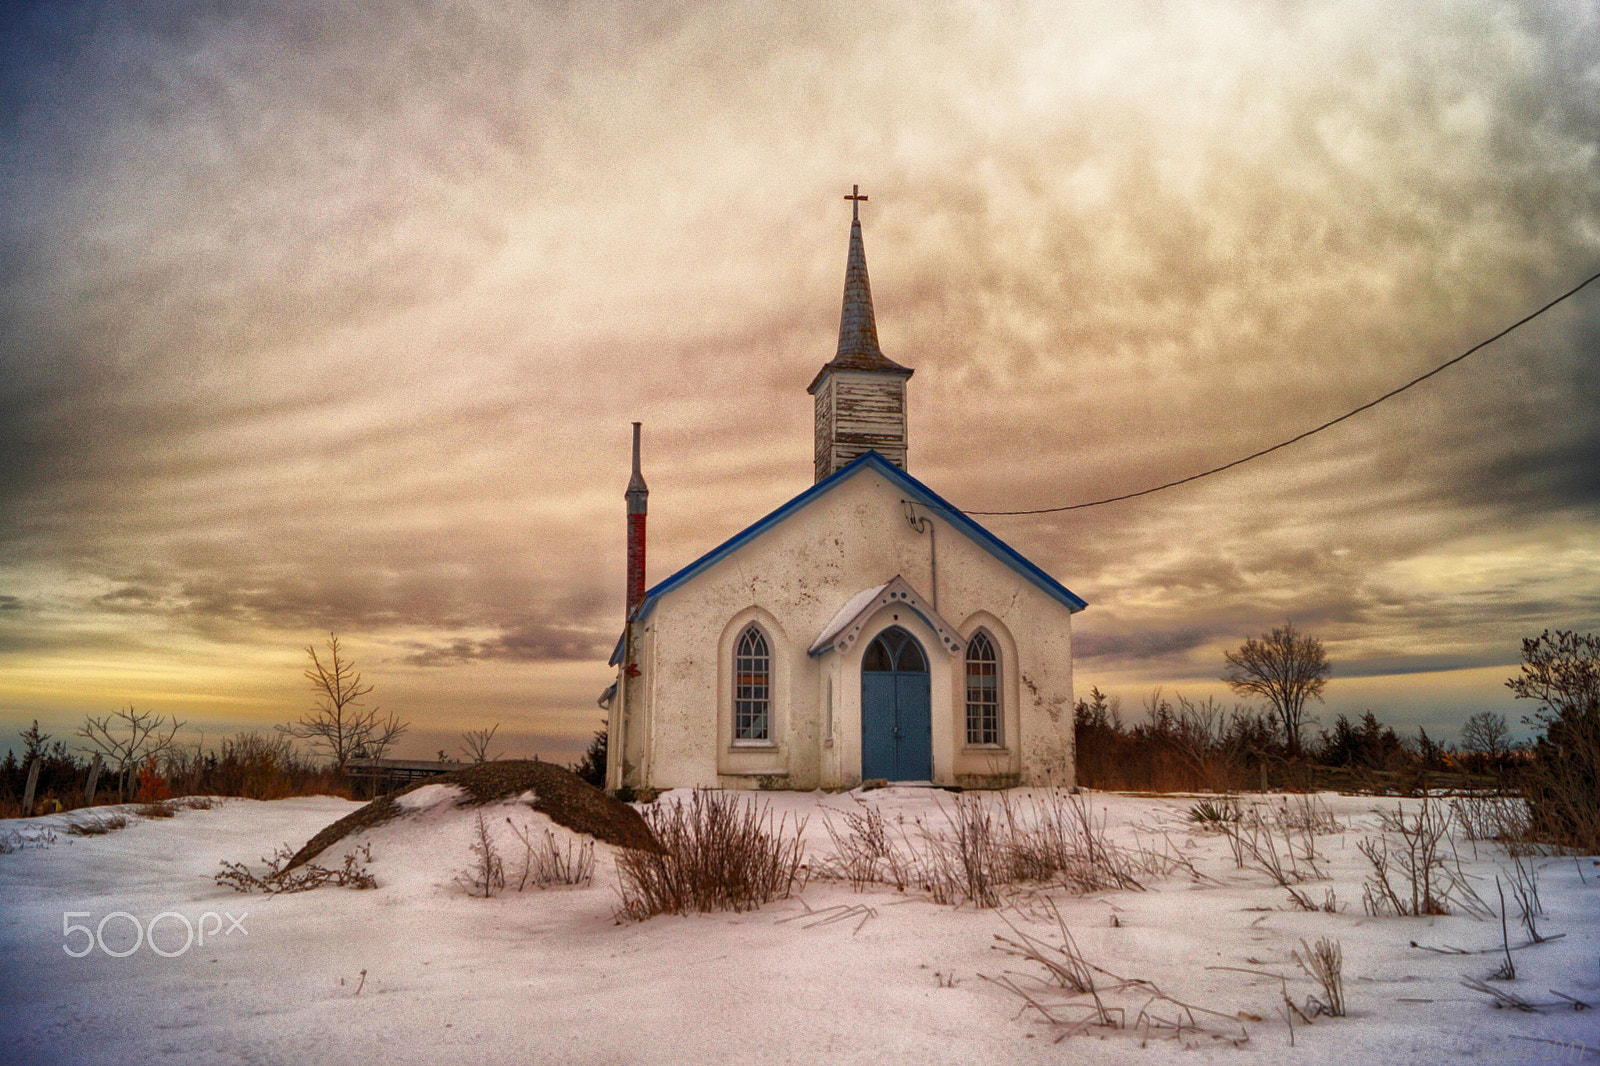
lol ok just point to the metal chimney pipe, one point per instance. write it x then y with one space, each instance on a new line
638 496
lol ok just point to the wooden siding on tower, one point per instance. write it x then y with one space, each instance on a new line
856 413
824 431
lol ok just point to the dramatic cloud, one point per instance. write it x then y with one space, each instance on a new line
334 318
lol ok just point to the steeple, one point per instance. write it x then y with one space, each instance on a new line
860 394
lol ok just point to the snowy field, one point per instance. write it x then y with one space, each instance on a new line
416 971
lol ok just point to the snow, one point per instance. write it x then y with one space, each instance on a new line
846 614
417 971
429 796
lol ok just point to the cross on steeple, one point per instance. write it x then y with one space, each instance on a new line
855 208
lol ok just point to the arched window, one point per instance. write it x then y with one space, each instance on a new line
895 650
752 687
983 690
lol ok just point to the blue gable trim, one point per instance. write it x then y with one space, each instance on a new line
912 488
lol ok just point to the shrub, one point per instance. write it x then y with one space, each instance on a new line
280 878
862 852
1414 875
1193 744
1562 672
968 862
153 786
487 872
718 853
1055 837
1215 812
592 767
1484 817
1254 842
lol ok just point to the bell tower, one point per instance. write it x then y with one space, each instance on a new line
861 394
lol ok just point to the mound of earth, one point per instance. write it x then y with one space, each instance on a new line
566 798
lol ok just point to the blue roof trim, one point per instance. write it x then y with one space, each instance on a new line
910 485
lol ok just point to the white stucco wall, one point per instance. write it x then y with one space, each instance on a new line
792 580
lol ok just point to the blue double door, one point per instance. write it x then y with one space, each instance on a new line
896 718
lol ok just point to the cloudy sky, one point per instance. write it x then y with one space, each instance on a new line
321 317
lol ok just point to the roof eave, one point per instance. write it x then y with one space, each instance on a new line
888 367
1007 554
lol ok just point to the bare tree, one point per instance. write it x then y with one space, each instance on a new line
475 743
1561 672
127 738
338 722
1486 733
1284 667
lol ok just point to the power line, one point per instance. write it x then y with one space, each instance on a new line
1318 429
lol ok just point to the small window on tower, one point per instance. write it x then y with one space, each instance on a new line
752 688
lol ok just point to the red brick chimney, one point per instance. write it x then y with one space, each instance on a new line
638 496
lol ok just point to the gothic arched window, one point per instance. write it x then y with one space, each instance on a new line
983 690
752 687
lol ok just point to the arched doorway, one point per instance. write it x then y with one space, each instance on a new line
896 723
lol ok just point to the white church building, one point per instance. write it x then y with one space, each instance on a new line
865 630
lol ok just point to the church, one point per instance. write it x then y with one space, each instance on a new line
864 631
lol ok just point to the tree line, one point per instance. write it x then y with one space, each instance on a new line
1185 745
134 755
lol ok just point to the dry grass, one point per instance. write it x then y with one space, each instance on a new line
1054 837
1281 844
1525 890
99 825
546 861
965 862
1308 815
982 844
1325 962
718 853
862 852
281 877
14 840
1078 997
1485 817
1415 870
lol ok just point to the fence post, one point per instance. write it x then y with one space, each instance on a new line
94 779
33 783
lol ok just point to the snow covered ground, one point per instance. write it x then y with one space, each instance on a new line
416 971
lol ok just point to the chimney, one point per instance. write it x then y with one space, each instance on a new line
638 496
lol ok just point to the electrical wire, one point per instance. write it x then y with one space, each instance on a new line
1317 429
